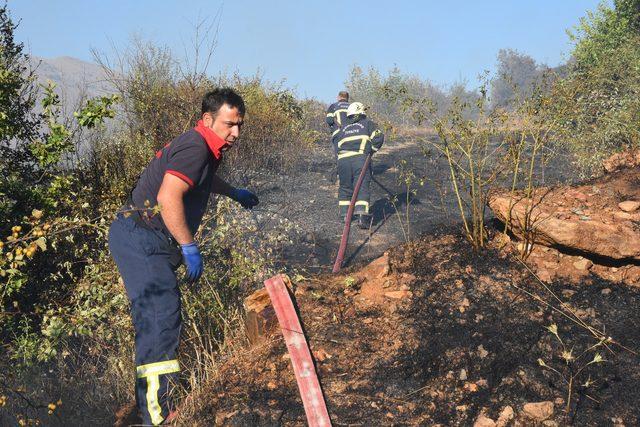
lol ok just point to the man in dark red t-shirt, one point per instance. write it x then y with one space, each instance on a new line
149 246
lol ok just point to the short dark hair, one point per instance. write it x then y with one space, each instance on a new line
343 94
215 99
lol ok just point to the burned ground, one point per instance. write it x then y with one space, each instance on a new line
442 335
464 341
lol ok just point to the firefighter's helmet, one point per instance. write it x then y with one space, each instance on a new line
355 108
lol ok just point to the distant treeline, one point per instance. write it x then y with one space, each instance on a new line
516 76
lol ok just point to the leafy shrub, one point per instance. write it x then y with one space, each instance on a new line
598 103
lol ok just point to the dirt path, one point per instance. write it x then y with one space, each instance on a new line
307 197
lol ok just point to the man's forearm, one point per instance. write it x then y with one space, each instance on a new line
220 186
172 212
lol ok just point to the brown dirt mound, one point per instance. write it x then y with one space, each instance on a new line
437 334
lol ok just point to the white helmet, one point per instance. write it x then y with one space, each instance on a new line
355 108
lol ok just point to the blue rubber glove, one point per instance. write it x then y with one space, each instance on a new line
192 261
245 197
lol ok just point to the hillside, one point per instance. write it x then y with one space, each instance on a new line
76 79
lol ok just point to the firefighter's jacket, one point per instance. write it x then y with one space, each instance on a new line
337 116
362 136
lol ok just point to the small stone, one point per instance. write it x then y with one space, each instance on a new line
568 293
506 415
629 206
550 423
463 375
461 408
321 355
482 383
472 387
539 411
389 415
605 291
398 294
482 353
544 275
624 216
484 421
583 264
581 196
271 385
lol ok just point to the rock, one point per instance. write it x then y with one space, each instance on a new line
482 383
260 318
583 264
580 196
629 206
544 275
463 375
484 421
617 240
472 387
398 294
626 159
378 268
506 415
482 353
605 291
568 293
221 417
538 411
623 216
321 355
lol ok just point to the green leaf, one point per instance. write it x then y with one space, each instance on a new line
42 243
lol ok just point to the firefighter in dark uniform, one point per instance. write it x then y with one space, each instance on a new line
336 118
359 137
148 246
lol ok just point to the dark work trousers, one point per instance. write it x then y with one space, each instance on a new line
349 169
147 262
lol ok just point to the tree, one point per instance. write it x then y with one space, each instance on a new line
598 103
517 74
630 11
18 122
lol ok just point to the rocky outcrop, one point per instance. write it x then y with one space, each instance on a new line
627 159
600 219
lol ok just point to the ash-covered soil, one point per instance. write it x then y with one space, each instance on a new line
306 195
439 335
431 333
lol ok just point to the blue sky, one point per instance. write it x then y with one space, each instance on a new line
313 45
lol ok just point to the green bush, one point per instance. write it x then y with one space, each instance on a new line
64 324
597 105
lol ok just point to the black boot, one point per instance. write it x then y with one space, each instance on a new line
364 221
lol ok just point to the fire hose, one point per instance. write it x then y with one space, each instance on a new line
315 407
347 224
304 369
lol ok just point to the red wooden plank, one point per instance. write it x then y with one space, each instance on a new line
314 405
